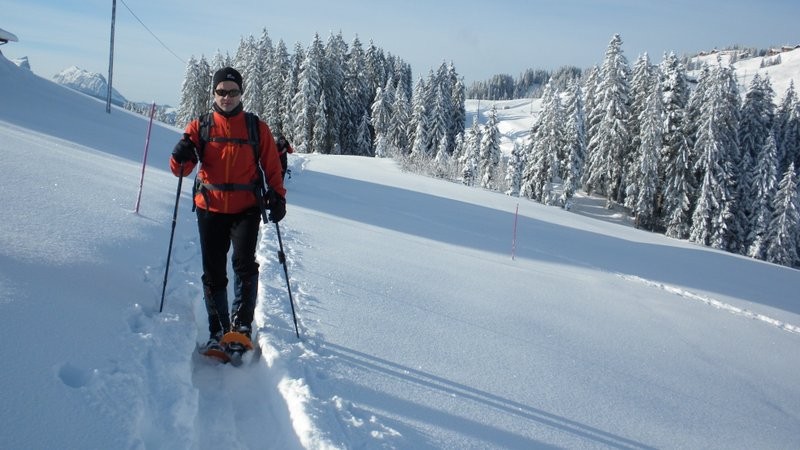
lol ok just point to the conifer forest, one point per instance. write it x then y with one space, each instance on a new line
692 157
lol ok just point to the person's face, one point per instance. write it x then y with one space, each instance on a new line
228 101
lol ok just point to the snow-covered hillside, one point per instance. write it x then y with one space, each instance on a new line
782 69
517 116
418 329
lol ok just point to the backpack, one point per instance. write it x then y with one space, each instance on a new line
253 136
258 187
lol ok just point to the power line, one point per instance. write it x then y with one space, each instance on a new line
151 33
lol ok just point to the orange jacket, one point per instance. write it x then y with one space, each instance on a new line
231 163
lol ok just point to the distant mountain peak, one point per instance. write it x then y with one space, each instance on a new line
89 83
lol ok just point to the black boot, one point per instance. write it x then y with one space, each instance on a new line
217 309
246 289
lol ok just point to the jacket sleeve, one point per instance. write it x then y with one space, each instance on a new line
271 161
193 130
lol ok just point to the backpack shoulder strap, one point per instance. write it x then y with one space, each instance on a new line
254 138
206 122
253 134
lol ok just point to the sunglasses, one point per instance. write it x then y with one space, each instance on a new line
228 92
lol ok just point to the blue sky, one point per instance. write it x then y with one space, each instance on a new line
481 38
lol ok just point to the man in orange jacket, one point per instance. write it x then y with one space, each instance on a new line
227 196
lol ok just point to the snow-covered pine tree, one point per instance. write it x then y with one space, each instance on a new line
490 151
757 116
419 149
304 105
397 132
356 96
593 113
783 117
514 170
608 149
783 112
455 157
375 70
645 174
789 147
278 68
644 77
380 119
785 224
575 142
195 92
765 181
675 181
531 162
319 142
264 55
677 205
547 144
440 112
441 162
418 127
692 121
291 88
248 64
333 74
471 156
363 142
735 235
713 220
458 115
219 61
186 111
205 96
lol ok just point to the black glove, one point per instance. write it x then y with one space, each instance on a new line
276 205
184 151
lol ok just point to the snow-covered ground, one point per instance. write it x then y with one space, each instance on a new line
418 329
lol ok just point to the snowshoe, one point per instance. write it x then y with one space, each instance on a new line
214 349
235 344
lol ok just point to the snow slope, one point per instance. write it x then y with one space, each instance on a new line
780 75
418 328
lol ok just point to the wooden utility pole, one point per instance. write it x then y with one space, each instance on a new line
111 56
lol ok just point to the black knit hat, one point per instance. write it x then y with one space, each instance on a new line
227 74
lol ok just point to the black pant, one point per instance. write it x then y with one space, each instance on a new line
284 163
218 232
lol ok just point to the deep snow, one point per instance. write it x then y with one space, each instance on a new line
418 329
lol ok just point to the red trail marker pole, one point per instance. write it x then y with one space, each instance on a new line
514 237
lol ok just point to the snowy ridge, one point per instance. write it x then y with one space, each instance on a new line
277 337
7 36
715 303
90 83
781 75
295 365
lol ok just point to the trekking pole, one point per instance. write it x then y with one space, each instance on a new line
171 236
282 259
